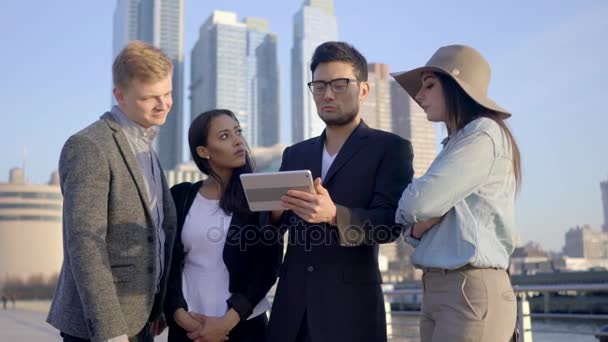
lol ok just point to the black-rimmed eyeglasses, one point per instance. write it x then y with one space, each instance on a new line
338 85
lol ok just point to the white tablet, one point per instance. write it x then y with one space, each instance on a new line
264 190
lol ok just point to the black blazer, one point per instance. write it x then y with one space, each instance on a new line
252 253
338 287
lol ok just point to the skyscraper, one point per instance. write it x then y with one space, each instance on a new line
161 23
409 121
376 109
584 242
234 66
219 70
125 24
263 83
314 24
604 187
125 27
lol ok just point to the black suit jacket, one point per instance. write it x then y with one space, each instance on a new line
252 254
338 287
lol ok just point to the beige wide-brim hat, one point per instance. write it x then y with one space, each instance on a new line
464 65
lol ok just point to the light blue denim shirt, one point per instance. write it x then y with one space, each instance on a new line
472 183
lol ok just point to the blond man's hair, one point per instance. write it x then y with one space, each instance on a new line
141 61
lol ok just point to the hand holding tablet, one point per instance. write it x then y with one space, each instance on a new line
264 190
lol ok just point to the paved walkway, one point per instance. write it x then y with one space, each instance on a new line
25 326
29 326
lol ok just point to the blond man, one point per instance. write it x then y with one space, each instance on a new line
118 215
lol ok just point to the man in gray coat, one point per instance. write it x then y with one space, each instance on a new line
118 215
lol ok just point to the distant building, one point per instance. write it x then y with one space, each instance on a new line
218 72
562 264
530 250
398 263
584 242
604 188
314 24
125 28
125 25
376 109
263 83
30 227
581 264
410 122
530 259
184 172
161 23
234 66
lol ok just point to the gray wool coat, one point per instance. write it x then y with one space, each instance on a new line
106 287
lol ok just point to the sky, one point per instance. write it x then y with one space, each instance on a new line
548 63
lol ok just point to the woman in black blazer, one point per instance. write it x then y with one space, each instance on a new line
225 258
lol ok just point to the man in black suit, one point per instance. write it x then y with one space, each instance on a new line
329 287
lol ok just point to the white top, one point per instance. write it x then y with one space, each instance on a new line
327 161
205 278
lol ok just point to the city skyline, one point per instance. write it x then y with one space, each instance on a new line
234 67
218 68
549 72
580 241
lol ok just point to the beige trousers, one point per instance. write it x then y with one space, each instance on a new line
467 305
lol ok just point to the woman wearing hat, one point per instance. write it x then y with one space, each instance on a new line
459 214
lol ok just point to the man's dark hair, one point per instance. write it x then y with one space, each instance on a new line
340 52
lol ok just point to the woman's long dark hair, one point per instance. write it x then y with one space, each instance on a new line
232 198
462 109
